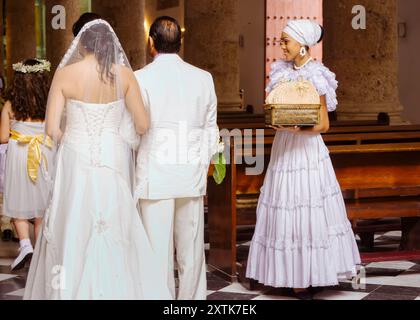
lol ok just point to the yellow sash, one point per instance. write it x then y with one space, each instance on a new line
35 156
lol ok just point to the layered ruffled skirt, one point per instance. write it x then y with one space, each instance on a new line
302 237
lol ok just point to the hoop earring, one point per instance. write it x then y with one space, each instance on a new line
302 51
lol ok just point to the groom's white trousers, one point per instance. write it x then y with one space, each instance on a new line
179 224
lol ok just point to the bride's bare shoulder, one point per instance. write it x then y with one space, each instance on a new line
127 74
69 71
77 66
123 69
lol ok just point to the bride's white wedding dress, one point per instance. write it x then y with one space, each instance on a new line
93 244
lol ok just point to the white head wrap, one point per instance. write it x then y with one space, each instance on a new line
304 31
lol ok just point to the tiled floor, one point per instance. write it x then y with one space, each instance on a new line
397 280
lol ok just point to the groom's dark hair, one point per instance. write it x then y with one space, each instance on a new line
166 34
84 18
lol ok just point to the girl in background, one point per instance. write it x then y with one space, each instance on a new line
29 154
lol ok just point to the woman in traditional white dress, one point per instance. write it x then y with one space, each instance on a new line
29 159
93 244
303 237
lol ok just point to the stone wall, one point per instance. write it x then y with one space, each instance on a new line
20 32
127 18
59 40
365 61
211 42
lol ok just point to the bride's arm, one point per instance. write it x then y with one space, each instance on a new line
55 108
135 105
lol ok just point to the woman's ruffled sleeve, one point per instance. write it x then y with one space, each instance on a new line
326 84
278 71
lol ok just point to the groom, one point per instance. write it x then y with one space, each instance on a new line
174 158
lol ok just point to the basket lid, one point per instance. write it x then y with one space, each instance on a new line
294 92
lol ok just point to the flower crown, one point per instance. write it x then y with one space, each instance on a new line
44 65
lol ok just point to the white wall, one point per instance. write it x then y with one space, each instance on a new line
252 55
409 62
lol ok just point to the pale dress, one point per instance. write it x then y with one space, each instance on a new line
23 198
302 237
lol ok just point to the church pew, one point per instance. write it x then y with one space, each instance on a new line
377 167
251 120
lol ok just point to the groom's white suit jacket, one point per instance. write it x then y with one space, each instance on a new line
174 155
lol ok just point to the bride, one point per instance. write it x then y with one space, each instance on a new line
93 244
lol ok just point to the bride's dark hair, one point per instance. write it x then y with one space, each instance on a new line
28 93
84 18
100 41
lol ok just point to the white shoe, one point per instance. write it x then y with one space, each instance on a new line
25 254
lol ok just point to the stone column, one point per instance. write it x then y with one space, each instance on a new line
127 18
20 32
1 37
211 42
59 40
365 61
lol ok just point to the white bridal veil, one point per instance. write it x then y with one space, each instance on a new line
102 68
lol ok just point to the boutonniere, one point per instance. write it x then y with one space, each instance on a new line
219 161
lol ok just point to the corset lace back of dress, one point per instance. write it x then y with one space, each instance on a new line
91 128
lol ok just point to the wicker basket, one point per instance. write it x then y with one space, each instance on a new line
293 103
